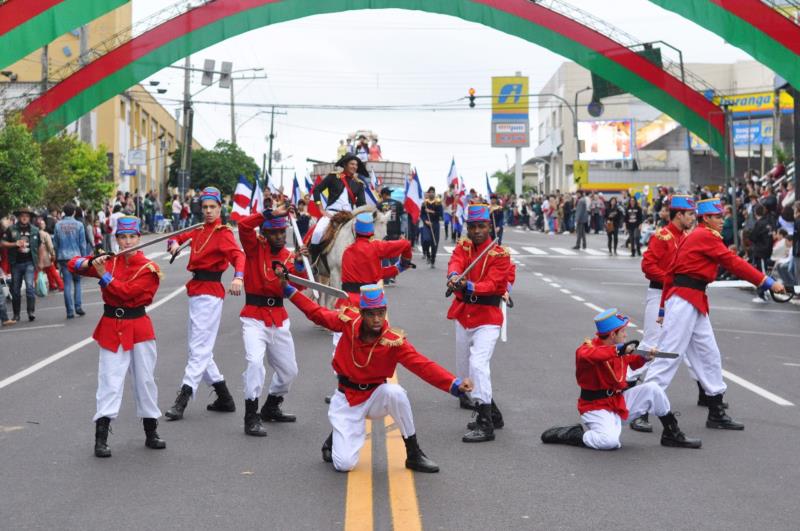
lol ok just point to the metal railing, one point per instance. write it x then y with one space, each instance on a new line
788 8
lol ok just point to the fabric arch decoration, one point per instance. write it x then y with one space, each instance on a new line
26 25
751 25
219 20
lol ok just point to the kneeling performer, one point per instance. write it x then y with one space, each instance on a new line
124 334
606 401
368 354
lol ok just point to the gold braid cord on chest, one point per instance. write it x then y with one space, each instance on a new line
196 249
353 345
613 374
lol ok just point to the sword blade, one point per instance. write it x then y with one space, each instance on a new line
306 262
158 239
657 354
339 294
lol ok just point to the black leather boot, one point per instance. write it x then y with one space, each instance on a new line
642 424
31 307
416 458
152 440
271 412
327 449
673 436
484 429
464 402
571 435
181 401
101 431
717 418
224 402
252 422
702 397
497 419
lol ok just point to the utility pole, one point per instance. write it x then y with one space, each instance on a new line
45 68
271 136
86 119
730 170
796 95
233 117
186 154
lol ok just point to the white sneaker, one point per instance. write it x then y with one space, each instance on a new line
759 300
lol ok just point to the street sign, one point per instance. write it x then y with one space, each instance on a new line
137 157
580 172
510 112
130 173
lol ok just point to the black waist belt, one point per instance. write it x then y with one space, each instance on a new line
486 300
344 381
352 287
207 276
685 281
597 394
654 284
121 312
260 300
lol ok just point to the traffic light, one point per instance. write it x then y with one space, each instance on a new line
472 98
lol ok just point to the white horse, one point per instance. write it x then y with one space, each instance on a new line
343 239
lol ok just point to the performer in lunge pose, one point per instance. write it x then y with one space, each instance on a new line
265 323
686 328
656 262
213 247
606 400
366 356
345 194
124 334
477 315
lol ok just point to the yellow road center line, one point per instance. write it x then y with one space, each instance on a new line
402 491
358 503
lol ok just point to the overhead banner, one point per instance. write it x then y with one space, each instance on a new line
606 139
756 103
510 112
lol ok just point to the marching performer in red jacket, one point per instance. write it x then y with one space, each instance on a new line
478 317
686 328
606 400
265 323
657 259
124 334
213 247
367 355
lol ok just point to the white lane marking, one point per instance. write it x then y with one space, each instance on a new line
534 250
27 328
632 325
594 252
77 346
565 291
154 256
546 279
538 274
555 285
167 256
792 364
640 331
511 250
750 386
449 248
593 306
637 284
579 299
616 269
565 252
756 332
759 310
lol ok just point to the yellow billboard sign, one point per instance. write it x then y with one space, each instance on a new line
510 98
756 102
580 172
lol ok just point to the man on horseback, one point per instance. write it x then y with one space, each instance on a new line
345 193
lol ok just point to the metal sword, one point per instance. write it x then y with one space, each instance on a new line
463 275
339 294
151 242
657 354
182 247
298 242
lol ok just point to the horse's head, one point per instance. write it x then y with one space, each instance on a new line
380 220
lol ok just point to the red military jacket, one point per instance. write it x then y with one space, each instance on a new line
259 278
134 283
361 263
661 252
597 367
698 256
374 362
491 277
213 248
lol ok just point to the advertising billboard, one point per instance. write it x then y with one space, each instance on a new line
606 139
510 114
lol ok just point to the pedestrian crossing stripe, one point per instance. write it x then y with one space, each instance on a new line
565 252
594 252
538 251
534 250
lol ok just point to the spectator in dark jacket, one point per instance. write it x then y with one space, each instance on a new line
633 223
761 242
613 217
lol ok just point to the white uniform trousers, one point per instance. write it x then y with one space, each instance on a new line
204 316
349 422
688 333
278 345
141 362
474 349
603 427
652 331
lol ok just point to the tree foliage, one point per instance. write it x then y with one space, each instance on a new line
220 167
505 183
21 179
75 171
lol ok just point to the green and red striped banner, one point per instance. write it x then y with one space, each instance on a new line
751 25
26 25
202 27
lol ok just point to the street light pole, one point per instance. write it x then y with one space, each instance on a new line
271 138
186 155
233 117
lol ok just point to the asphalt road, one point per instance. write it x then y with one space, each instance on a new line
212 476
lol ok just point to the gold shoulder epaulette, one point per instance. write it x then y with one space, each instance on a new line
587 341
344 316
465 242
664 234
499 250
154 269
715 233
223 227
393 337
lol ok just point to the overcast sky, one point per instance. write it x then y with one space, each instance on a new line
396 57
